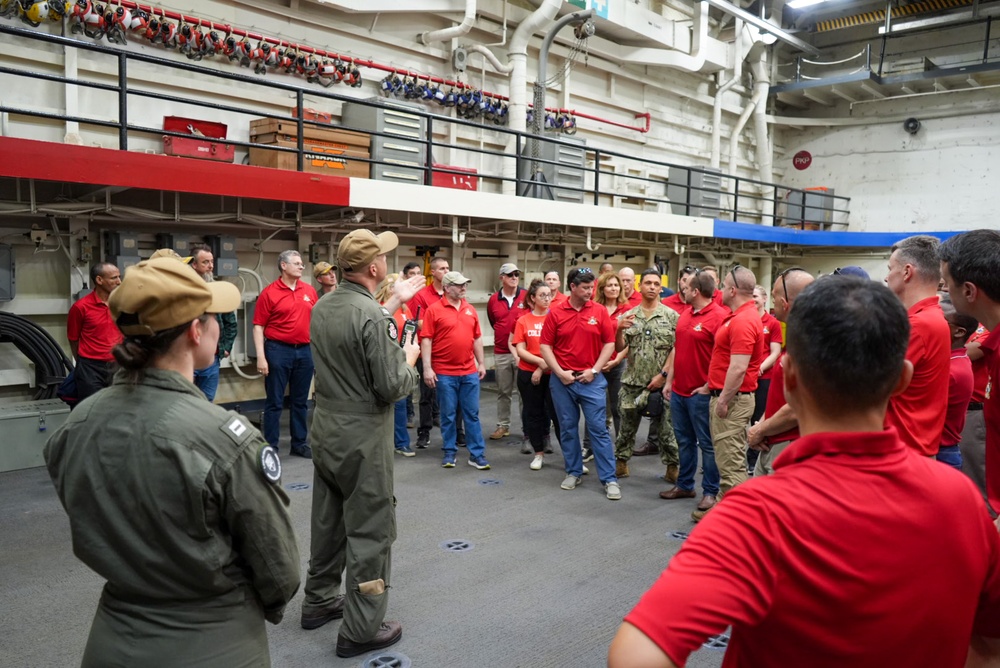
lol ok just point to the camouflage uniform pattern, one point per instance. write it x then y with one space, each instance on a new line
650 340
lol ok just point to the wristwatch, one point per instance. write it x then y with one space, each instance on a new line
663 373
594 371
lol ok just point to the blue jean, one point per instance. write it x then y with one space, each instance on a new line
400 437
592 398
289 367
456 393
207 379
690 419
950 455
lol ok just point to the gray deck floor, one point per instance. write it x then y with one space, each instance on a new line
550 575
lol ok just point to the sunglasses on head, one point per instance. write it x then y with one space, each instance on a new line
784 286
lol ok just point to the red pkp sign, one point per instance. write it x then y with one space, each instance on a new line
802 160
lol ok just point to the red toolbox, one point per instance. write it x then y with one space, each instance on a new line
467 180
200 145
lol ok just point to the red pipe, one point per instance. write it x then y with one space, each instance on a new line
229 30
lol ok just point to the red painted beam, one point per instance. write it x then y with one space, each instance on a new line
50 161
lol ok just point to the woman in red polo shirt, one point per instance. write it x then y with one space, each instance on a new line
532 373
609 294
401 437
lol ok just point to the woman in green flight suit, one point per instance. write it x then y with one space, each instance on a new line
174 501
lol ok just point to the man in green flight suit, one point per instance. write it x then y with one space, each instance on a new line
361 372
648 331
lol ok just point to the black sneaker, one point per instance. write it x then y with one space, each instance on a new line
304 451
423 441
588 455
460 439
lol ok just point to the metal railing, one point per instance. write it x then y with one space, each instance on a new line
733 198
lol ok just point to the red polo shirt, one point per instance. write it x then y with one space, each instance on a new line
503 317
90 325
452 331
577 337
991 414
898 567
772 334
284 313
960 382
741 333
695 340
918 413
634 300
425 298
528 331
558 298
775 400
980 372
675 302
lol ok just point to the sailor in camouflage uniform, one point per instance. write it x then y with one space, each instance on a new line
648 332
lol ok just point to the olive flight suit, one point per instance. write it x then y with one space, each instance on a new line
649 342
177 503
361 372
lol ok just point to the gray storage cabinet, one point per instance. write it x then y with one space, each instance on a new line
26 426
570 157
399 154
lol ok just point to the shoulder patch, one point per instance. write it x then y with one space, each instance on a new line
270 465
236 427
393 330
384 310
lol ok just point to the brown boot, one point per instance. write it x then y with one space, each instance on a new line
621 468
672 471
388 633
706 504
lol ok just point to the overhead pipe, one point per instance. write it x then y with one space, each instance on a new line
371 64
690 62
765 156
719 94
456 236
455 31
590 245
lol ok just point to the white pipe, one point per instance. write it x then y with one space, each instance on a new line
723 89
455 31
518 61
765 156
734 136
691 62
489 57
456 236
590 245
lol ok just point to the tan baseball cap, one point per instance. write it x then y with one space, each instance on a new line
159 294
321 268
172 254
360 248
455 278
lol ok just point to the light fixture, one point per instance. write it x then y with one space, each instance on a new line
760 23
800 4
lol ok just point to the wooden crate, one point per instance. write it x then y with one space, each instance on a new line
320 158
266 130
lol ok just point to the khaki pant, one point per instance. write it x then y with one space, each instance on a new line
729 437
506 370
765 461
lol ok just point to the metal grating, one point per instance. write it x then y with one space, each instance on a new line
298 486
490 482
387 660
457 545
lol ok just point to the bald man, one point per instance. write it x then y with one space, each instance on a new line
780 427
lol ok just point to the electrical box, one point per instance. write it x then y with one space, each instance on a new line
179 243
223 248
6 273
811 209
695 193
26 427
399 154
567 159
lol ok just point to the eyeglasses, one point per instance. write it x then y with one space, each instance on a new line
513 274
732 272
784 283
548 296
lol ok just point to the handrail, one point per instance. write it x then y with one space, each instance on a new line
652 186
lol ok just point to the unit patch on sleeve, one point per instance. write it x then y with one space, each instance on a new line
270 465
393 330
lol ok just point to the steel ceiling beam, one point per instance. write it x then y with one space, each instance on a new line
765 26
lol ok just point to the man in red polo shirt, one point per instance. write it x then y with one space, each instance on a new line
687 383
677 301
960 383
973 443
451 344
779 427
970 264
92 332
627 279
918 413
732 379
503 308
896 565
429 410
554 281
281 334
578 338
